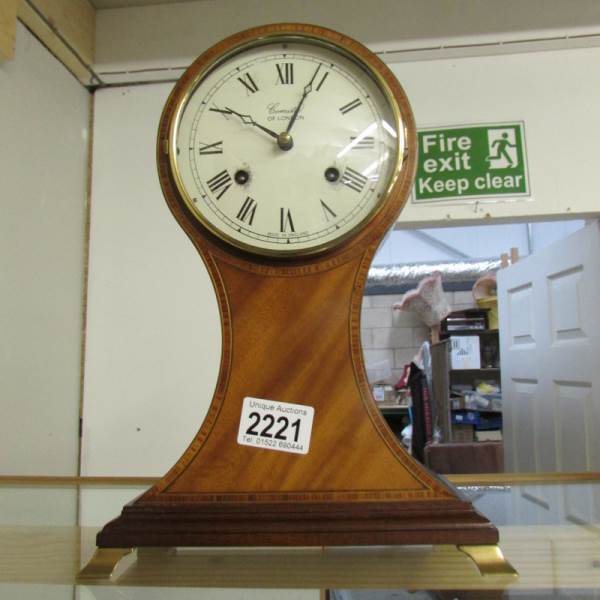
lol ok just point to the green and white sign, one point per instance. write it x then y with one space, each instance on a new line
466 162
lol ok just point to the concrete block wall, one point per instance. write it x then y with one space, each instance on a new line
392 337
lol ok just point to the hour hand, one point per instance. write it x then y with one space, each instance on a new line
247 119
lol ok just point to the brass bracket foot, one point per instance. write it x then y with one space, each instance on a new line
489 560
102 565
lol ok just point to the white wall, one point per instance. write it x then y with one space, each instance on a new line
44 115
153 331
474 241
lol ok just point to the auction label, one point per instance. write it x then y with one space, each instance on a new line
466 162
276 425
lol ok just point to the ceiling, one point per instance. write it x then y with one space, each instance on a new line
512 15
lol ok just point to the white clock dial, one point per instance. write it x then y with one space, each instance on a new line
286 147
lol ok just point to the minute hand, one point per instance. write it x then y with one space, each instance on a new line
307 90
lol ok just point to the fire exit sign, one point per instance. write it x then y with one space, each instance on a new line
467 162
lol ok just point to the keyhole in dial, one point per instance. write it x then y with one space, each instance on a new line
241 176
332 174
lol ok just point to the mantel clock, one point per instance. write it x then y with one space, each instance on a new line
285 153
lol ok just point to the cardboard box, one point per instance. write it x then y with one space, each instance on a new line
462 433
465 352
493 435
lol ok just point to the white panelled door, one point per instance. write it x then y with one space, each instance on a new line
550 356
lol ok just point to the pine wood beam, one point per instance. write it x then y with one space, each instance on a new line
8 28
67 28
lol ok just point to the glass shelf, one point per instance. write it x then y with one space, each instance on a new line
549 531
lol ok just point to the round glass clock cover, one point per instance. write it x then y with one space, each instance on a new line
286 146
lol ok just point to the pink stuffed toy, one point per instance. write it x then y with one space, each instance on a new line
428 301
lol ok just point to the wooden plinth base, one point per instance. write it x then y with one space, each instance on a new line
309 524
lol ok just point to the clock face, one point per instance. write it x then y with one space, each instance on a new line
286 146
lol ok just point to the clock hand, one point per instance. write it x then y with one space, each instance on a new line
307 90
247 119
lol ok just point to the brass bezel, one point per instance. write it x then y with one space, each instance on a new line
341 46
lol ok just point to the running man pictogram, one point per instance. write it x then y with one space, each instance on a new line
500 148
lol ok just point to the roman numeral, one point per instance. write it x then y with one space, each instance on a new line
248 83
350 106
220 183
285 220
364 143
322 81
215 148
327 211
246 213
285 73
353 179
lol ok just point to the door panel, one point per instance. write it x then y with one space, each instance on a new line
550 356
